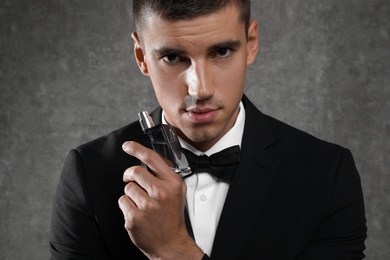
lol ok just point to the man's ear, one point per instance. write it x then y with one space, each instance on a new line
139 54
253 43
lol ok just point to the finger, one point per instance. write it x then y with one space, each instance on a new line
137 194
150 158
129 211
141 176
127 206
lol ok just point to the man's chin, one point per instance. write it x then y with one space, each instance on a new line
201 142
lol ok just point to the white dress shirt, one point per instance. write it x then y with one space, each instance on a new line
205 194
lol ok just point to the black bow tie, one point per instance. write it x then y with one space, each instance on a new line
221 164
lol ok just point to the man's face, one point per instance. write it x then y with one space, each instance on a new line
197 68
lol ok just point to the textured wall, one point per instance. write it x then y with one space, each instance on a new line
67 75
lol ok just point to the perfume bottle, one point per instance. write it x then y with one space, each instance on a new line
163 139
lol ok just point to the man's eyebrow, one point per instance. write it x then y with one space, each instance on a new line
226 44
168 51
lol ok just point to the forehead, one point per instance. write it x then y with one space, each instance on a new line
225 24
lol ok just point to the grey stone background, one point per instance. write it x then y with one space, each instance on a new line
68 75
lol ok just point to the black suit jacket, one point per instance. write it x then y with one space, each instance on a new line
293 196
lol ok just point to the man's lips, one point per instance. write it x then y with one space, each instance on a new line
202 115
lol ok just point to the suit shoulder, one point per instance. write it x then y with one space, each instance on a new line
280 136
103 161
110 143
296 140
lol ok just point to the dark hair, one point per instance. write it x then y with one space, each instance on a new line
185 9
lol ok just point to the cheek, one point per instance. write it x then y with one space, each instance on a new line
170 92
166 83
233 79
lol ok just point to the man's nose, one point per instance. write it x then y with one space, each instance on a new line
199 80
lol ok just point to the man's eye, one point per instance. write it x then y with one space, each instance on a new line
171 58
223 52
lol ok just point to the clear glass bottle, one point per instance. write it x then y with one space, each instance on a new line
163 139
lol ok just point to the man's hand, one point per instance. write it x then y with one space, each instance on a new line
153 208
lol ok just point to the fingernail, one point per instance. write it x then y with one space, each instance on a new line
124 146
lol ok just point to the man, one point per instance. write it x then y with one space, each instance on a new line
291 195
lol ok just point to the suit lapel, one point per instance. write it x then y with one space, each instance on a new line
249 186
